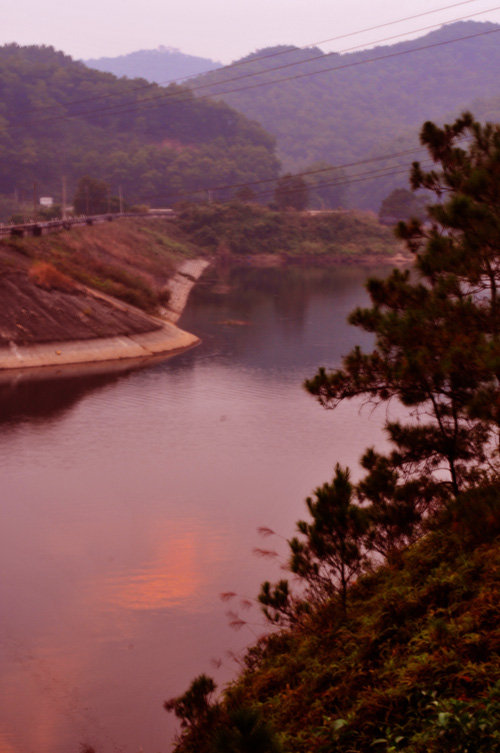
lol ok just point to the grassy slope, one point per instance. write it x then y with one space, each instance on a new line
129 259
415 665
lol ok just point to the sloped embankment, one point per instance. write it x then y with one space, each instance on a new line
69 298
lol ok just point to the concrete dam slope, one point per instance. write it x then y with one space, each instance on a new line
39 328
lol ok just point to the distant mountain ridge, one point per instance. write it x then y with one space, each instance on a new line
158 66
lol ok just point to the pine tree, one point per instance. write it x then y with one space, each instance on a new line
437 329
329 553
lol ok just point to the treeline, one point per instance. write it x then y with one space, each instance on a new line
239 229
59 118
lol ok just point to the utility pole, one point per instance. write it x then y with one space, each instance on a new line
22 208
63 192
120 194
35 198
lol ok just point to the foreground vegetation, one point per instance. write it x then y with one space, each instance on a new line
413 666
387 639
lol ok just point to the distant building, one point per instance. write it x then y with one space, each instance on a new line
46 201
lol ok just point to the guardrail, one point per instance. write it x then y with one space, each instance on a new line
38 228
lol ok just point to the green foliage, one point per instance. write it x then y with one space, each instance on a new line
328 189
194 706
157 144
413 664
426 329
245 194
280 606
291 192
401 204
247 229
395 510
329 555
245 731
211 728
196 711
91 197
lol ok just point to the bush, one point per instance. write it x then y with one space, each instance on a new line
45 275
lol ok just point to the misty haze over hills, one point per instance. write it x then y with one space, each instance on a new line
367 108
163 146
158 66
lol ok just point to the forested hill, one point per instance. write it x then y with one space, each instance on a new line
365 109
59 118
161 65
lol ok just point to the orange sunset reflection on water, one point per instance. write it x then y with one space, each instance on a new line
174 577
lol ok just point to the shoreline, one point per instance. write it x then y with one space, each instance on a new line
164 339
399 259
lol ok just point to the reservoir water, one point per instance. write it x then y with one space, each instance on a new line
131 502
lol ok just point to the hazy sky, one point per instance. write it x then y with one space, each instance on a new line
219 29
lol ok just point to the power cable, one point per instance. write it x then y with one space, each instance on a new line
259 58
249 184
329 54
187 94
347 180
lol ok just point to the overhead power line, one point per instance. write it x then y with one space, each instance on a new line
188 95
347 179
372 174
253 59
330 54
252 183
356 178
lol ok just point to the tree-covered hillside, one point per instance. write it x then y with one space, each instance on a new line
363 109
59 118
158 66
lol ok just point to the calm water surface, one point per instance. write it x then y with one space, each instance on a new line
130 503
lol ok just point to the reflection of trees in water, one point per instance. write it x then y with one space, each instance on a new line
39 394
36 400
273 317
242 290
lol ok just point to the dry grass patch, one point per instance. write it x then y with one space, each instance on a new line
45 275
